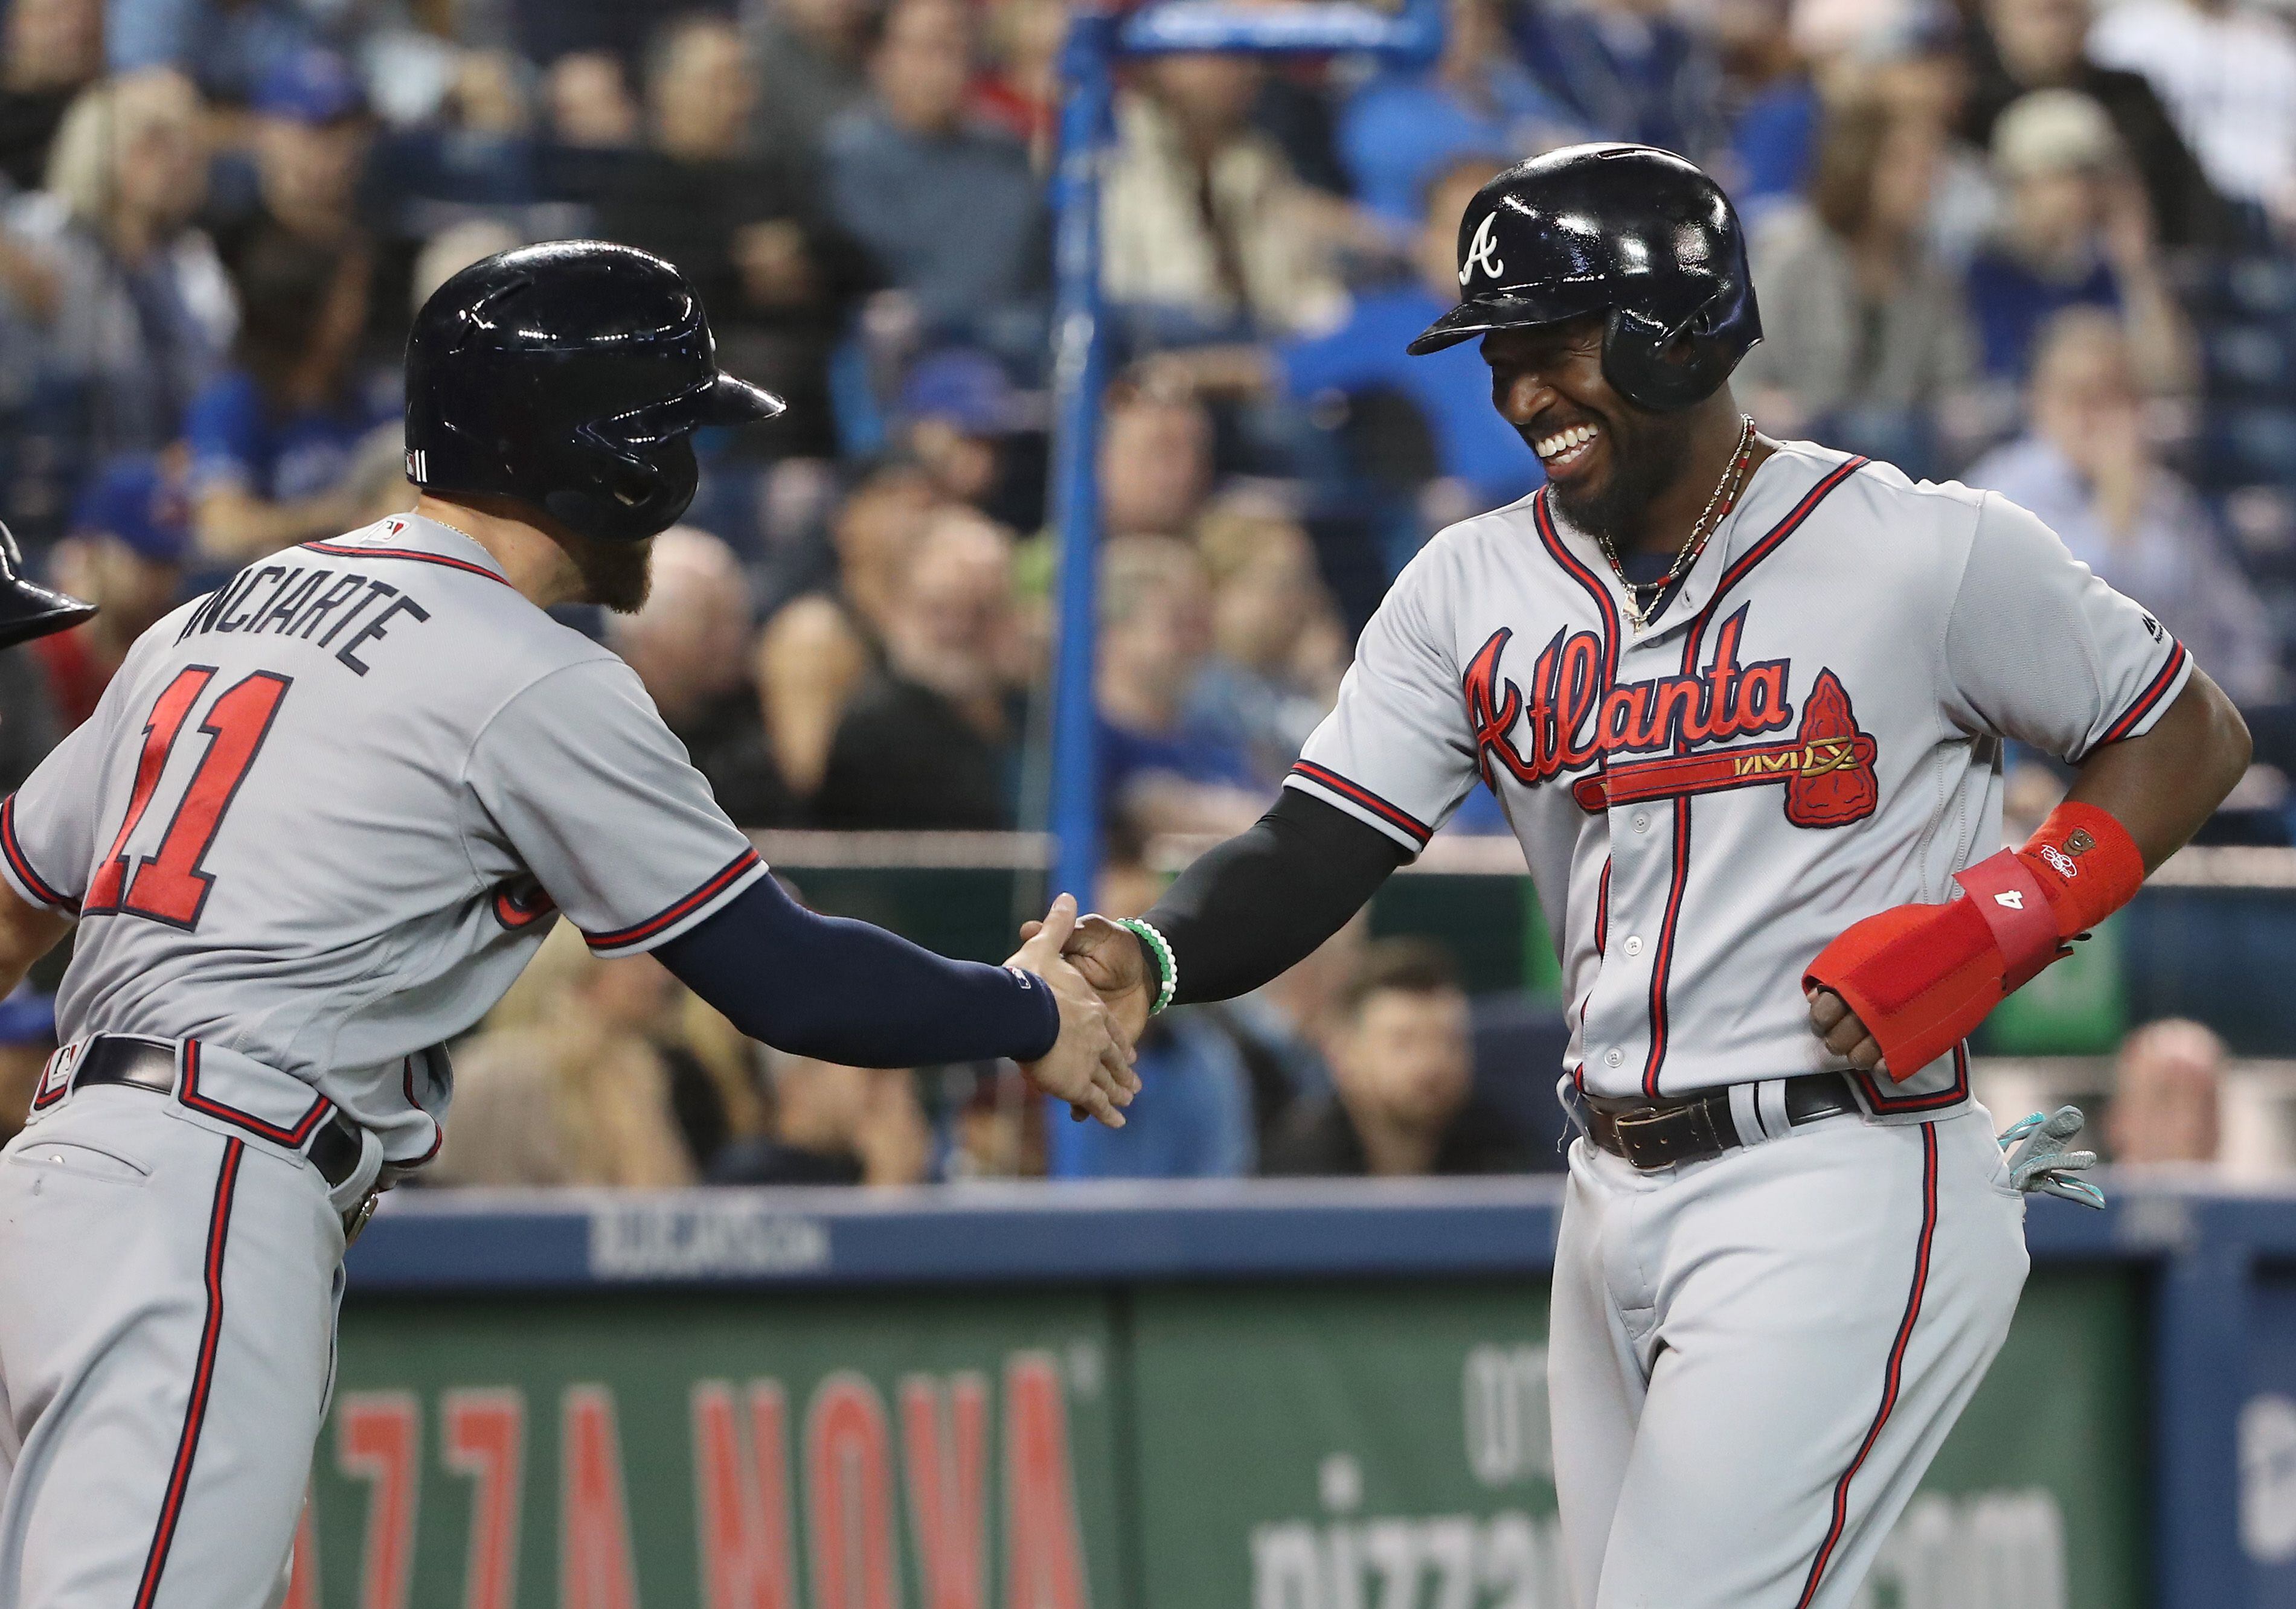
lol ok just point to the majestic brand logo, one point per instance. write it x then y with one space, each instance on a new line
1482 252
1569 721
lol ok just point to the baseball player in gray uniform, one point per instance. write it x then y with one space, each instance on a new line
1745 703
321 819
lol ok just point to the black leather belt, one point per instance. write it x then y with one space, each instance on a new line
1655 1135
150 1064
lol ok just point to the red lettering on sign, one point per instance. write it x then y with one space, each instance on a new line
1043 1549
379 1440
948 1471
745 1498
485 1440
848 1482
595 1570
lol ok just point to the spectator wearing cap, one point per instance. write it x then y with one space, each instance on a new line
2227 73
1866 340
1402 130
114 310
273 437
946 207
931 741
28 1038
742 224
2075 231
125 554
2024 45
50 50
1629 69
1401 1053
958 407
2088 468
308 138
690 645
1477 453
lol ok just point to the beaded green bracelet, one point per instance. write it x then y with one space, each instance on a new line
1160 949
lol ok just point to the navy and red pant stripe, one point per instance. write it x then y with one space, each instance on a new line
1893 1374
203 1369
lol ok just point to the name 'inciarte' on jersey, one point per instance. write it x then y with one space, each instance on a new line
1571 720
314 605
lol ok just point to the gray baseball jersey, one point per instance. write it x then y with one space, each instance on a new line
322 817
1811 732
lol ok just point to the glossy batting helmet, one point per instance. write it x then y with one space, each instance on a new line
570 376
1626 230
27 608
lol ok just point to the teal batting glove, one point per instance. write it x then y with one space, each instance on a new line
2039 1162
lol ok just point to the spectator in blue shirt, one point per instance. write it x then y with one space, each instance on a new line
1399 131
225 46
1476 451
2076 231
946 208
273 439
1629 68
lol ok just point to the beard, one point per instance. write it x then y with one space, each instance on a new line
1646 453
615 575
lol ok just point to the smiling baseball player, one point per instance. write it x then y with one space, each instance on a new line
320 821
1745 703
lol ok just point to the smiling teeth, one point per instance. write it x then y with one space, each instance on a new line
1563 442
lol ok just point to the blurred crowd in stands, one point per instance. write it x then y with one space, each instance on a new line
2039 245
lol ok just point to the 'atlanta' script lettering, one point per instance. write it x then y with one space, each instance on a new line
1570 719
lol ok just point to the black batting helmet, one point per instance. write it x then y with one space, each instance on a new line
27 608
570 376
1629 230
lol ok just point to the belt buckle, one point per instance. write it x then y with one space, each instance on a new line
1631 1128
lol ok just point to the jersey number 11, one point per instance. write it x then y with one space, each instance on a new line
167 886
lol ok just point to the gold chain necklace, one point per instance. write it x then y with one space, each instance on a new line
1718 508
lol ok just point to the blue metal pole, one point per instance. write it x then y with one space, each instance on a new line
1080 362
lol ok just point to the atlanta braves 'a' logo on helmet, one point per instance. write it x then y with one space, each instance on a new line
1482 252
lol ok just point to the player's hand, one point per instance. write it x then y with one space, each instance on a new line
1838 1025
1108 956
1090 1064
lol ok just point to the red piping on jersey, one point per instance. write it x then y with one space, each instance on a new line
2147 700
1895 1373
1577 571
732 872
1394 814
1603 907
337 551
1953 1095
188 1092
37 885
1662 961
195 1412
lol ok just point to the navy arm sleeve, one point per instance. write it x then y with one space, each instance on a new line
1253 907
848 993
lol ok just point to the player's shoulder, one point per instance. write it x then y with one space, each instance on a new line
1456 551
